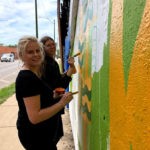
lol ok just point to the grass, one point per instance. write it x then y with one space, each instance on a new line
6 92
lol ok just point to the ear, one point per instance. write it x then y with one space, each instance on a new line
21 56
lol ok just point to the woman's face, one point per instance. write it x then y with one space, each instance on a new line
50 48
32 55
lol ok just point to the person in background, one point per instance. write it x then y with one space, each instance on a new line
38 108
52 75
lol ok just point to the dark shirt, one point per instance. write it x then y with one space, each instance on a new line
28 84
52 75
53 78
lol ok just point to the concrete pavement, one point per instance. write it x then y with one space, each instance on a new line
8 132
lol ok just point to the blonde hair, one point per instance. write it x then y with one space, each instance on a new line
22 44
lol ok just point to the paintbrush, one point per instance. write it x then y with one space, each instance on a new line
77 54
75 92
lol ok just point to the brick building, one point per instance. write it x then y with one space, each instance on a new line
6 49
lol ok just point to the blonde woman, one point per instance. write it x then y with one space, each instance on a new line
37 116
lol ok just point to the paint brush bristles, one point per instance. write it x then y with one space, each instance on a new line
75 92
77 54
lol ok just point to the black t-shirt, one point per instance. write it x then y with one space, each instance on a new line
52 75
28 84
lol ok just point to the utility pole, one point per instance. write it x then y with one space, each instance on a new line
36 19
54 30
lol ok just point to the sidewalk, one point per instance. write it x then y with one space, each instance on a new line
8 132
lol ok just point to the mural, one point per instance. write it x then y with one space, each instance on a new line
129 75
112 108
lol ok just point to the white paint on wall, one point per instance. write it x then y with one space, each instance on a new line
99 35
99 26
73 106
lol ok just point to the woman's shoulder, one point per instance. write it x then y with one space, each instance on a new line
26 75
26 79
27 83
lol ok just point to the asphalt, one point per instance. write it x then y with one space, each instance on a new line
8 132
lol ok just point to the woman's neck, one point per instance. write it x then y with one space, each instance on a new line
51 56
35 70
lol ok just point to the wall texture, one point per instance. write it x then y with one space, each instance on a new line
112 108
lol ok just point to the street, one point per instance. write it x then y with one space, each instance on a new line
8 72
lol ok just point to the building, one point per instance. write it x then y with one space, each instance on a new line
6 49
111 110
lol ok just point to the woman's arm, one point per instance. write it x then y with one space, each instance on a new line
72 68
37 115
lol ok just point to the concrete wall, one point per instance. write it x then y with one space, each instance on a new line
112 108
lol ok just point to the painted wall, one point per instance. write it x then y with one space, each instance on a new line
112 108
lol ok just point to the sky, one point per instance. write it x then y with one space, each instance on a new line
17 18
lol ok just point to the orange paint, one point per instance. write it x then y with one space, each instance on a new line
117 89
60 90
139 86
129 112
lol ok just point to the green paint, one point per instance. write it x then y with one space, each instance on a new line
97 132
85 91
84 5
85 109
100 106
131 147
88 16
100 100
88 12
132 14
81 46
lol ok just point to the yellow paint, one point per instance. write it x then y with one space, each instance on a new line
85 100
129 112
117 92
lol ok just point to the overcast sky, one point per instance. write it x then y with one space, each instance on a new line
17 18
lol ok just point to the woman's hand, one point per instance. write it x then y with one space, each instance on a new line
58 92
71 61
72 68
66 98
